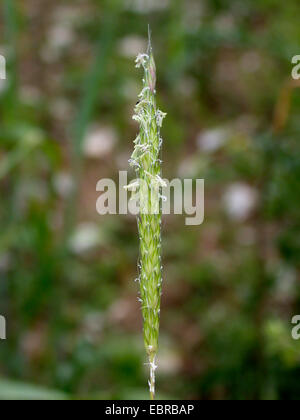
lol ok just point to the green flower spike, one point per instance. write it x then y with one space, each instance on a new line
146 160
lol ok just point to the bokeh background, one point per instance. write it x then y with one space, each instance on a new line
231 286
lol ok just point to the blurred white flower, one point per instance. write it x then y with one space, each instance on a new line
226 71
85 238
189 167
239 201
120 310
100 141
48 54
131 46
30 94
60 36
63 184
250 61
32 190
246 124
68 14
286 282
211 140
169 362
146 6
92 326
224 23
193 15
61 109
186 86
216 314
5 261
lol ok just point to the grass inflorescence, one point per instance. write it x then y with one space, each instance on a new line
147 162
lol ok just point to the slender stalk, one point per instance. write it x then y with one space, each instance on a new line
146 160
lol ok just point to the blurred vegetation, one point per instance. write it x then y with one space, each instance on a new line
231 286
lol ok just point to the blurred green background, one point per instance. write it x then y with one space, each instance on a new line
231 286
